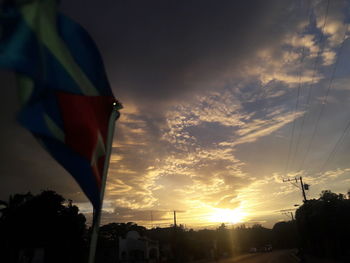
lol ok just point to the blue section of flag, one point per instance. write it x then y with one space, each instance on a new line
32 116
23 52
85 53
75 165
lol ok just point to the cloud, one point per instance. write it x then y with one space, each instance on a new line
333 174
200 92
307 41
228 202
209 92
341 83
328 57
159 51
334 27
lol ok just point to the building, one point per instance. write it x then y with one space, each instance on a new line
135 248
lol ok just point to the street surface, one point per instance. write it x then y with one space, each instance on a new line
279 256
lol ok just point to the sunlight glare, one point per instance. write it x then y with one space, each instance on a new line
234 216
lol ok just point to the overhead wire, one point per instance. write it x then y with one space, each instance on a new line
295 113
302 57
345 130
325 98
335 148
316 63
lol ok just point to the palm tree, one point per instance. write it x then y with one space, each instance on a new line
15 201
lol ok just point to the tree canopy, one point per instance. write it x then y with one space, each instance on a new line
324 227
45 221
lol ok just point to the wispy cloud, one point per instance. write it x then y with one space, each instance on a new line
210 104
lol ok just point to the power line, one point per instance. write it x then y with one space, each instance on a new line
303 186
297 101
325 98
316 63
295 112
335 148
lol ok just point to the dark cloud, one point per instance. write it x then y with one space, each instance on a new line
209 133
156 51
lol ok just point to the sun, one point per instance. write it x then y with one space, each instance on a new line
234 216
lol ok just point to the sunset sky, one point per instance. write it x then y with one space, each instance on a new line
211 93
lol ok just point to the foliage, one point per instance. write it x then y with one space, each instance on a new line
41 221
324 227
257 236
285 235
48 221
111 232
210 244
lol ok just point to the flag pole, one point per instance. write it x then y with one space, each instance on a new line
97 213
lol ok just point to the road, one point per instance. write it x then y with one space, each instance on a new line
279 256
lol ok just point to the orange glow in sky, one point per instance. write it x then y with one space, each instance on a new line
232 216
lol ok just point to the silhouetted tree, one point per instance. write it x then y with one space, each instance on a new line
43 221
285 235
224 240
324 225
202 243
108 239
112 231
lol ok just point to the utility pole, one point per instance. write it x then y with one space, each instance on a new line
151 219
175 240
303 186
174 218
288 213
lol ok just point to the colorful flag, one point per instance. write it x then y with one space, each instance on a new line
66 98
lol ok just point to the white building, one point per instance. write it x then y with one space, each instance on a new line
135 248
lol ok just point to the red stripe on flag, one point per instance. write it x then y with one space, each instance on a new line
84 118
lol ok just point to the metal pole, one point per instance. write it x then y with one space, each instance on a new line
302 188
97 213
151 219
174 218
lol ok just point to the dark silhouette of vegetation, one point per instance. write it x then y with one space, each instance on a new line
111 232
223 242
324 226
108 239
257 236
47 221
285 235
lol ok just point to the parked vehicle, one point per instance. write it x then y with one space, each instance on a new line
253 250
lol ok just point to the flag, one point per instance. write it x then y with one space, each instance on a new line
66 98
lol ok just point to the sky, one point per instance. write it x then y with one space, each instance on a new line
222 101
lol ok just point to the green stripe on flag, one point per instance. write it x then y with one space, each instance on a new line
54 128
43 23
25 88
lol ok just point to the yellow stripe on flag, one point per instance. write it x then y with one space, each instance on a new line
41 17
